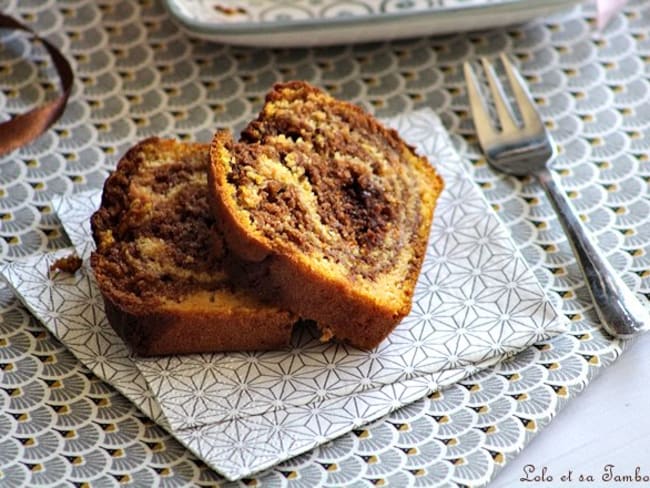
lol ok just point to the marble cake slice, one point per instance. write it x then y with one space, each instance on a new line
160 262
337 207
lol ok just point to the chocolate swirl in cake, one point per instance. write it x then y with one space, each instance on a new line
336 189
155 234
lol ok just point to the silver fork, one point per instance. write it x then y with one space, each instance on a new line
525 148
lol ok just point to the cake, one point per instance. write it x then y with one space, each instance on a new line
334 205
160 261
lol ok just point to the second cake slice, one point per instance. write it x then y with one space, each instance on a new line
160 261
337 206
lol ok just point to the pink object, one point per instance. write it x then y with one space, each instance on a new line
606 10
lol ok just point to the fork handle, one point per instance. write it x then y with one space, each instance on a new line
622 314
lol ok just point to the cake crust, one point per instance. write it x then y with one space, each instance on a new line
160 261
337 207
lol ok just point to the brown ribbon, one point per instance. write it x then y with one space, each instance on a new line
24 128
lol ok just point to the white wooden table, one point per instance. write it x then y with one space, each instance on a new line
608 424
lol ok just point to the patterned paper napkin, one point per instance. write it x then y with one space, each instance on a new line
475 302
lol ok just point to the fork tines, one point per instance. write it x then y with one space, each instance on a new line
530 119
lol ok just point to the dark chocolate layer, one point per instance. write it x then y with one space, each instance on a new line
363 210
